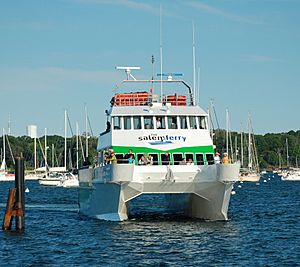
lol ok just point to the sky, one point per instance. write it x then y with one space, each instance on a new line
61 55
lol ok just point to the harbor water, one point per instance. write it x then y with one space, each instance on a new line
263 230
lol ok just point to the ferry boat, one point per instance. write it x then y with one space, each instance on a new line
170 130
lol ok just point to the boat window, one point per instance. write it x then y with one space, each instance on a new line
172 122
189 156
160 122
138 156
137 125
202 122
165 160
148 122
120 158
193 122
178 159
127 123
117 123
200 159
155 158
183 122
210 159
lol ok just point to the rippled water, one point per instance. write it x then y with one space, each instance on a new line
263 230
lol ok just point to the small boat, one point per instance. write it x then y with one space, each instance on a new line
5 176
251 172
292 175
171 130
52 179
32 176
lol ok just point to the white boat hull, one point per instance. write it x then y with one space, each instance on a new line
32 177
105 192
4 177
250 177
50 182
293 176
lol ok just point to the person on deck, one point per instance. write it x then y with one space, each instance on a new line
190 162
225 159
131 159
165 159
113 158
128 155
217 158
143 160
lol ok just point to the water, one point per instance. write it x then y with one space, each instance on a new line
263 230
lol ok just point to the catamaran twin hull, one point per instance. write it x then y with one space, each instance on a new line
105 192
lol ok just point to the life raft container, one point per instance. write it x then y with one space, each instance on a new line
131 99
176 100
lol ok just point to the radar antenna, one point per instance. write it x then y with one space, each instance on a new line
128 71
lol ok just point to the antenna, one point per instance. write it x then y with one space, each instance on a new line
161 52
194 66
152 62
198 87
128 71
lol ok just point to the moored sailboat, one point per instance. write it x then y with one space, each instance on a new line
250 173
5 176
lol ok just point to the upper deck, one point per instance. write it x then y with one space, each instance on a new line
160 116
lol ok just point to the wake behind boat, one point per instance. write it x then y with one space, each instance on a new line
172 154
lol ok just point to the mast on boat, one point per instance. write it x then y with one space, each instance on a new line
45 155
65 156
3 164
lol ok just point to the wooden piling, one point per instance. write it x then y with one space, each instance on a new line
20 199
15 206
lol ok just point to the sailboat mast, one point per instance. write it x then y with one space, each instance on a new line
34 154
86 135
65 163
77 136
3 166
287 153
242 148
45 156
250 163
52 155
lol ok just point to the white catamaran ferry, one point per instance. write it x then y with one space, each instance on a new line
173 155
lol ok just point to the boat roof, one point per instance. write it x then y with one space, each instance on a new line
157 109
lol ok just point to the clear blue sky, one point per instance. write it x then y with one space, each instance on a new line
61 54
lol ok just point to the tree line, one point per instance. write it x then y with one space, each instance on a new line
274 150
24 146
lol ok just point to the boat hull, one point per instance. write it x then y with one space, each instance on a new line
50 182
105 192
250 177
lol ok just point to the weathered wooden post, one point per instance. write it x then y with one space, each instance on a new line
20 198
15 206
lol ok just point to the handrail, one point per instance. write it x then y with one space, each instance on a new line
162 81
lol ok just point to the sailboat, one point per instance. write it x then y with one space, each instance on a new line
251 172
51 177
4 175
291 174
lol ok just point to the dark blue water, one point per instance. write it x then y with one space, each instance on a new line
263 230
